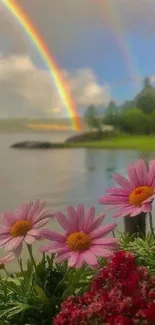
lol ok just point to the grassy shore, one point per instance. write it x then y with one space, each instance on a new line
142 143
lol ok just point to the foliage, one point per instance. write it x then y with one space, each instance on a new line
136 116
132 121
145 100
92 119
112 107
112 119
35 297
144 249
135 122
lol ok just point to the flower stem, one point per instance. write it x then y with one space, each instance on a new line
32 258
113 232
6 271
21 267
151 225
63 279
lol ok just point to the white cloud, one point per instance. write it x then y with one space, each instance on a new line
26 90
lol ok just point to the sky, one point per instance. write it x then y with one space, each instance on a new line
104 49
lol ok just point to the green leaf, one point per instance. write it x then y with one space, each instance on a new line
12 311
42 296
29 278
13 287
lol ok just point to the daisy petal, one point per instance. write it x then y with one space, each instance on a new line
89 218
29 240
33 232
136 212
118 191
62 257
10 257
73 259
62 220
132 175
9 218
113 199
106 242
4 230
54 249
103 231
101 251
97 222
124 211
4 241
42 222
141 172
80 262
14 243
51 235
147 207
89 258
72 218
122 181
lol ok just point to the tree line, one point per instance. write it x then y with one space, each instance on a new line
133 117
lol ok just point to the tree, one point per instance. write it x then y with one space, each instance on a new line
152 121
147 83
132 121
112 119
92 119
135 122
112 107
145 100
127 105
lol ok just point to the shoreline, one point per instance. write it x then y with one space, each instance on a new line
140 143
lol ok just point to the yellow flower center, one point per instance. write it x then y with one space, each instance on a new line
78 241
20 228
140 194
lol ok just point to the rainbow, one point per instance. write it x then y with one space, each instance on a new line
55 73
113 22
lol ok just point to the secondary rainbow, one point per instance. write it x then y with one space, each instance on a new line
55 73
111 17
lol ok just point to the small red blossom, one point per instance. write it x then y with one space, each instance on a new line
150 313
119 320
121 294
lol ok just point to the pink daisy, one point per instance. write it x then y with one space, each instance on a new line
22 225
6 259
83 239
134 195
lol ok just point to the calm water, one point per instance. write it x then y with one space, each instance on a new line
61 177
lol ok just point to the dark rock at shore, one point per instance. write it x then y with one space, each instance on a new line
37 145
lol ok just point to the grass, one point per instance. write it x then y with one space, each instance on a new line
142 143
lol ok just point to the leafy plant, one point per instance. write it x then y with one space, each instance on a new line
144 249
34 296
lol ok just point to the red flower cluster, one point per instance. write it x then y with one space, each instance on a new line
121 294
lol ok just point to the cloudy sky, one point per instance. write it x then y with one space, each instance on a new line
104 49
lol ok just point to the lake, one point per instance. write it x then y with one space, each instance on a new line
61 177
